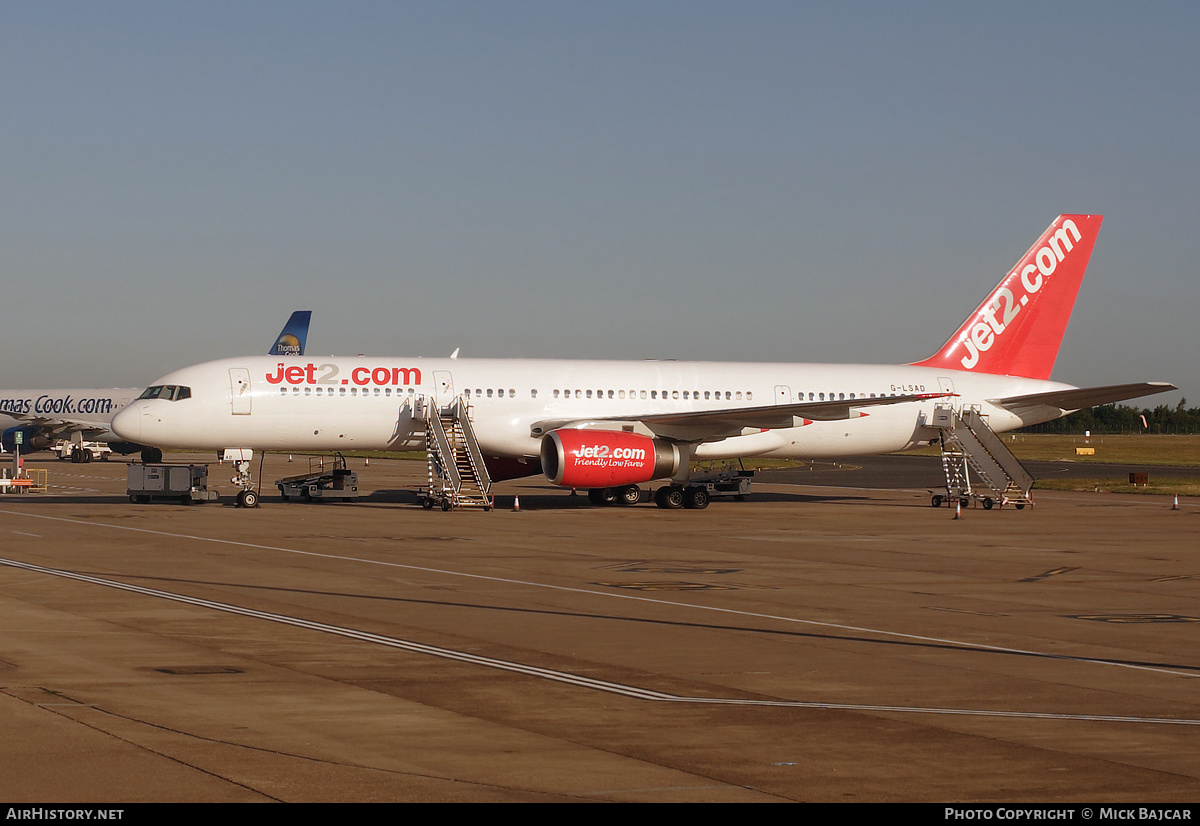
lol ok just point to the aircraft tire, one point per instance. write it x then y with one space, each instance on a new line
151 456
630 495
696 498
87 455
669 497
76 456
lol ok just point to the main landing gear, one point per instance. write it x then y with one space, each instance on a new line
668 497
628 495
692 497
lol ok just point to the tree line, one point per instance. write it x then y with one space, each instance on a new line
1120 418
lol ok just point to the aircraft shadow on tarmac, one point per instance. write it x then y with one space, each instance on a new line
532 500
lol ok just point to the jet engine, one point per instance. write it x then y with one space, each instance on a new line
576 458
34 438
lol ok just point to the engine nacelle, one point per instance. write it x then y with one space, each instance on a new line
576 458
33 438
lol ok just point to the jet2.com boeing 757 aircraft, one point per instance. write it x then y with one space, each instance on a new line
611 426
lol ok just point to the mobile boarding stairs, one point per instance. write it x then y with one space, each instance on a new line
458 477
978 466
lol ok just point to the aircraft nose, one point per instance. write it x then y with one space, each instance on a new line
128 423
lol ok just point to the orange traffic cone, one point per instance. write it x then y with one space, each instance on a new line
516 504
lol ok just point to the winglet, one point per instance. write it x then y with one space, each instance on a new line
294 335
1018 328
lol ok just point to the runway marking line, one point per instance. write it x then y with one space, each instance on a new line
626 596
568 678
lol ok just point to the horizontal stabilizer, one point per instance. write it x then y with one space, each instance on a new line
1081 397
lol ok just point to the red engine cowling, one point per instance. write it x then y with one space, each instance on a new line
605 458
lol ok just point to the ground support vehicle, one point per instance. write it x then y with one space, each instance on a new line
186 484
338 482
80 451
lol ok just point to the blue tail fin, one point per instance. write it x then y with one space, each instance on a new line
294 335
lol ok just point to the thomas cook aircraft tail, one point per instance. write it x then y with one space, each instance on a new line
293 336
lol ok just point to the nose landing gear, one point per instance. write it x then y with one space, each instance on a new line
247 497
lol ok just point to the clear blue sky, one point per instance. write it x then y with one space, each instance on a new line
781 181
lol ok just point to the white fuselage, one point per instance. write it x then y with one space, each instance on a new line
364 403
87 409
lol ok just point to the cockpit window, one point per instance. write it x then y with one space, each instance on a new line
170 392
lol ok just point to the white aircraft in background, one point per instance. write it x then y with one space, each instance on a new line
43 417
613 425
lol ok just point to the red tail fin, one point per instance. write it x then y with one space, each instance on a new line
1018 328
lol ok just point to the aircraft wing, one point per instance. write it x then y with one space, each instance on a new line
1081 397
707 425
59 427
